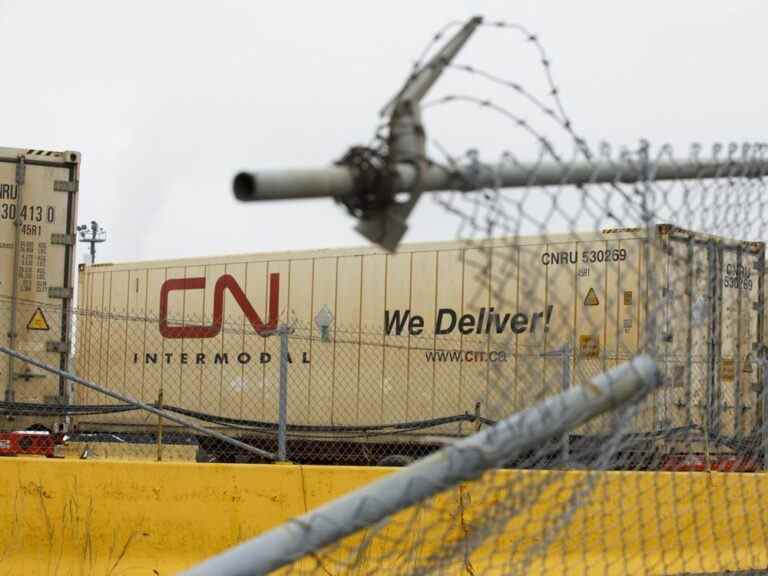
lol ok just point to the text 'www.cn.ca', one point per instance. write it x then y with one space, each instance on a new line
465 356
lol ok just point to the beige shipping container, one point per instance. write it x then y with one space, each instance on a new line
432 331
38 207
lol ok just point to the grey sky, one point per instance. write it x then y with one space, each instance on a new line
167 100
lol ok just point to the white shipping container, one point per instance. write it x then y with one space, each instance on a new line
38 207
432 331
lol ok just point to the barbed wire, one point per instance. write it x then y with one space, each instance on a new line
361 392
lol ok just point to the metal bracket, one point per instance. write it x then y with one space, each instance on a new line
63 239
60 292
406 144
56 346
27 376
379 187
66 186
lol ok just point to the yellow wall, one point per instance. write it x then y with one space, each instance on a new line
81 517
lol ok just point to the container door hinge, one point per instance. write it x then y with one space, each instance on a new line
63 239
60 292
27 376
66 186
56 346
21 171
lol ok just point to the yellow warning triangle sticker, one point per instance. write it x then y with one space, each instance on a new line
38 321
591 299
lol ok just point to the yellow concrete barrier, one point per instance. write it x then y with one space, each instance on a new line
102 517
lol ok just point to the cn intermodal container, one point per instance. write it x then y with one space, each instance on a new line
38 200
433 330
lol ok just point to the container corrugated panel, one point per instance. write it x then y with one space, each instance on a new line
38 199
153 325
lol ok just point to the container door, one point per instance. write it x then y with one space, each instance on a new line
682 365
37 220
740 335
687 332
710 328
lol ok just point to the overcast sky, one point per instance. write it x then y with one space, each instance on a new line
168 100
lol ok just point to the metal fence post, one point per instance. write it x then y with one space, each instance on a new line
282 418
160 426
565 447
564 353
10 393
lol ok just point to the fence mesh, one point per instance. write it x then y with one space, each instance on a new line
673 266
392 356
673 269
467 334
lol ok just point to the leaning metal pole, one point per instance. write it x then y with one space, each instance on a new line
127 399
465 460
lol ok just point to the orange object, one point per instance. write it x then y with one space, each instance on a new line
29 442
717 463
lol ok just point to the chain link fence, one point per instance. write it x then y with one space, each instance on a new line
462 361
610 253
440 343
672 269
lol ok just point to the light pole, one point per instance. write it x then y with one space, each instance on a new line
92 235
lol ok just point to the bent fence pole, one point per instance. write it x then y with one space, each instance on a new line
465 460
345 184
138 403
341 181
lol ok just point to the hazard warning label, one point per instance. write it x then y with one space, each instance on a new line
589 345
38 321
591 298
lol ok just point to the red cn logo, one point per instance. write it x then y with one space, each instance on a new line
226 282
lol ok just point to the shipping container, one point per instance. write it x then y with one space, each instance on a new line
38 200
432 331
